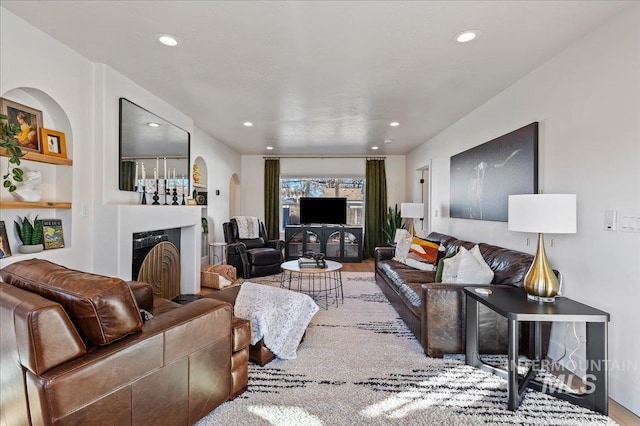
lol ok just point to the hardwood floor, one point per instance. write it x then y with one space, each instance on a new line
617 412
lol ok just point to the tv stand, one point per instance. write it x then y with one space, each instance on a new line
341 243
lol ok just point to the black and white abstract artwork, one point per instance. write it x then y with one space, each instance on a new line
483 177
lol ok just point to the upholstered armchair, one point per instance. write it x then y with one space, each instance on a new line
252 257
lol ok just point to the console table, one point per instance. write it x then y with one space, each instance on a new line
337 242
512 303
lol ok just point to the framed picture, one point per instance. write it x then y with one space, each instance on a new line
53 143
28 119
483 177
5 249
52 236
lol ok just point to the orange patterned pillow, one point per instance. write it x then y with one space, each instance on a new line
425 250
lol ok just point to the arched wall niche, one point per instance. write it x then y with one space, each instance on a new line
57 181
202 169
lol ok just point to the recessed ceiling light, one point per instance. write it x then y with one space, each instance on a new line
387 141
248 124
269 148
466 36
153 124
374 147
394 124
168 39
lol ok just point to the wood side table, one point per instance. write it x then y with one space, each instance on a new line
512 303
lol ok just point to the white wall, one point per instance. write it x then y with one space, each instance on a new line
587 100
66 88
222 162
253 176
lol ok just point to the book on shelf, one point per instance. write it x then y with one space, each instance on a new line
52 236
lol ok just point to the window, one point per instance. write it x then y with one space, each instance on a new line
291 189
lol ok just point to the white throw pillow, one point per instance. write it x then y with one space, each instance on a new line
471 271
415 264
451 266
403 246
475 251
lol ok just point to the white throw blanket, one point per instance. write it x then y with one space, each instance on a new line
248 226
278 316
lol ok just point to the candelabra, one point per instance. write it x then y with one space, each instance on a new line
175 197
144 195
166 192
155 195
184 203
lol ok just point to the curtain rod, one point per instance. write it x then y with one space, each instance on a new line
368 157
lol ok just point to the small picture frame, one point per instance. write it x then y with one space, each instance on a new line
53 143
5 248
28 119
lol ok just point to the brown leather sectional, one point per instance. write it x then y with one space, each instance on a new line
74 349
435 312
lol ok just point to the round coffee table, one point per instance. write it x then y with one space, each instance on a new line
316 282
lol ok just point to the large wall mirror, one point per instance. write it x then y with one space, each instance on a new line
150 142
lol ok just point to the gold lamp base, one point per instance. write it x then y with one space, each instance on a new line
541 283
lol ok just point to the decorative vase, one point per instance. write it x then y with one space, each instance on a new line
30 248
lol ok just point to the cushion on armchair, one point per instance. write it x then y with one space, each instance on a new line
102 308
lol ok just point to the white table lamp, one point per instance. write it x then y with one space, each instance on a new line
542 213
411 211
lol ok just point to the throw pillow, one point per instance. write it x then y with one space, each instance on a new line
470 270
426 250
451 266
403 245
475 251
440 268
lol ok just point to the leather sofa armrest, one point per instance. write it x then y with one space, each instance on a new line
443 320
383 253
275 244
143 293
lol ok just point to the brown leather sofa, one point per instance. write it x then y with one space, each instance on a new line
435 312
75 350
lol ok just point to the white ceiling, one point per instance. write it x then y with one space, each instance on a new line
320 77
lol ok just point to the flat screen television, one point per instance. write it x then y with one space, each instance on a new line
323 210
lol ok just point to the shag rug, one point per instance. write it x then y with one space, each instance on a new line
360 365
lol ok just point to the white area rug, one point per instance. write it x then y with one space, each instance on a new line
360 365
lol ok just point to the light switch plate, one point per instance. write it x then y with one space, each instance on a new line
610 220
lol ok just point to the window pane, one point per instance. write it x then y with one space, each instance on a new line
291 189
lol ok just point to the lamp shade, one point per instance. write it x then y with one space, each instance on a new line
412 210
543 213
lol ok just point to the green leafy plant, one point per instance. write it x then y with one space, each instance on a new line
392 222
14 174
28 232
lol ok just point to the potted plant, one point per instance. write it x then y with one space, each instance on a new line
30 234
14 174
392 222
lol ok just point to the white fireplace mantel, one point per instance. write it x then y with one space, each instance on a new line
139 218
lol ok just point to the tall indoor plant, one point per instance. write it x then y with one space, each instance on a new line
392 222
14 174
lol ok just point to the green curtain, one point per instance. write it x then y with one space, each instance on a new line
375 206
127 169
272 197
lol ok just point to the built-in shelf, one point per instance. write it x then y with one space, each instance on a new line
199 185
40 158
34 205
